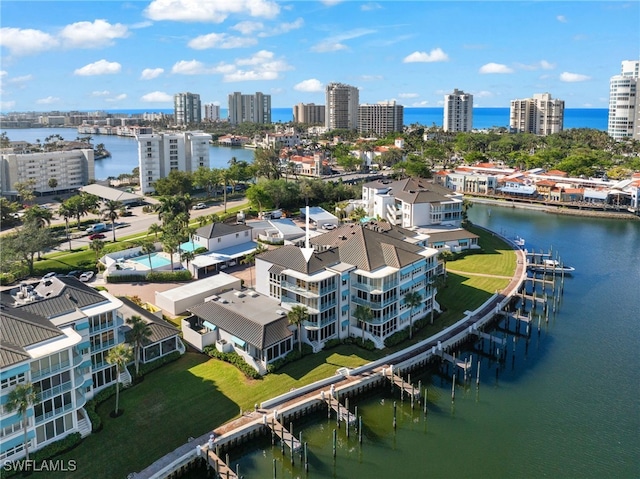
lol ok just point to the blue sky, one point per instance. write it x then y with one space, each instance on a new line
90 55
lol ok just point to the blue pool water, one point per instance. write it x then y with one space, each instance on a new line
157 260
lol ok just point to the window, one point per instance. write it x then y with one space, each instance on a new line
12 381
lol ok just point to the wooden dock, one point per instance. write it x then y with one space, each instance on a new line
222 469
404 386
455 361
526 318
343 413
494 339
284 435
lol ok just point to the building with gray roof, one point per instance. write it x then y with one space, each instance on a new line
412 202
354 266
251 324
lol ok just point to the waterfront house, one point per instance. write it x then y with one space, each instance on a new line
245 322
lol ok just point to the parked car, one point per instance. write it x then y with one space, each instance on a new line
97 228
200 206
75 273
86 276
50 275
329 226
97 236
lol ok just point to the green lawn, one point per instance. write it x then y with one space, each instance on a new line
196 394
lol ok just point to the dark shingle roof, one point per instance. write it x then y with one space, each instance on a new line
453 235
291 257
19 329
369 249
160 329
414 190
258 324
61 295
215 230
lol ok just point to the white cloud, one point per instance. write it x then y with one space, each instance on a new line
220 40
371 77
573 77
100 33
283 28
408 95
122 96
330 3
215 11
435 55
335 42
157 97
7 105
495 68
101 67
311 85
48 100
482 94
541 65
191 67
420 103
101 93
151 73
247 27
22 79
561 19
328 47
367 7
26 41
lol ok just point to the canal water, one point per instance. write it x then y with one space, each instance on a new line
564 404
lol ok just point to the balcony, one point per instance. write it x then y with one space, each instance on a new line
373 304
386 286
48 371
102 346
54 412
290 303
299 290
54 391
101 327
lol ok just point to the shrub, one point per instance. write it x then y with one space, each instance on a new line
332 343
90 407
153 365
200 250
168 276
235 359
52 450
126 278
6 278
292 356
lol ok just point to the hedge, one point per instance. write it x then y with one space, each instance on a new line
168 276
153 365
48 452
235 359
126 278
289 358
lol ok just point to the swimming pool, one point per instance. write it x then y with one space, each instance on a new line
157 260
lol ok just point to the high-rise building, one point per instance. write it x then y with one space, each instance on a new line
187 108
380 118
341 110
212 112
308 113
458 111
540 115
159 154
624 102
249 108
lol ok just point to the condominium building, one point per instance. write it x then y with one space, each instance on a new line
309 113
458 111
540 115
412 203
624 102
249 108
212 112
71 169
380 118
161 153
187 108
341 107
55 335
372 265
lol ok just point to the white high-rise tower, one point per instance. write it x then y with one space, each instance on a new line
341 110
624 102
458 111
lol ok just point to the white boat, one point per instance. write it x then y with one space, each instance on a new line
519 241
551 266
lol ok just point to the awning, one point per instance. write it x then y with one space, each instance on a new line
209 325
238 341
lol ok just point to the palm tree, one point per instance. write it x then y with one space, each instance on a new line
358 213
296 316
20 399
111 212
363 314
98 247
412 299
187 256
154 229
39 215
445 255
138 335
250 259
147 248
65 212
119 355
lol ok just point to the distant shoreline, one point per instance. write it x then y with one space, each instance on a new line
559 210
